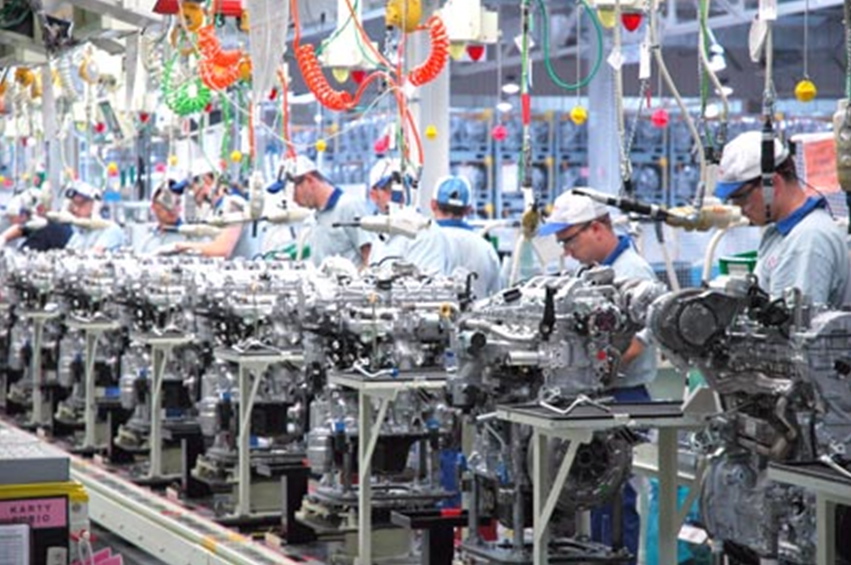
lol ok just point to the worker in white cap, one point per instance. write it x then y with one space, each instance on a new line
84 202
430 250
801 247
331 206
584 230
25 211
451 204
215 198
202 187
167 208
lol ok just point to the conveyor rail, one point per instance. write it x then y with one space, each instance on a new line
162 528
159 526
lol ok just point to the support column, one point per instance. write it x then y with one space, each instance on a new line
430 106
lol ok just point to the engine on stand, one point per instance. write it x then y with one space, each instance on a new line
381 342
33 350
90 350
781 370
553 343
253 399
162 367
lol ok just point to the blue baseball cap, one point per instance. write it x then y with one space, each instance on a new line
453 191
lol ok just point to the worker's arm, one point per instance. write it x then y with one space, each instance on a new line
364 254
12 233
636 348
222 246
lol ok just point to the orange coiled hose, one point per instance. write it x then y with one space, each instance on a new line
438 57
308 64
211 48
215 76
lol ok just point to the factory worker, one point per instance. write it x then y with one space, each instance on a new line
583 227
430 250
26 214
801 246
202 187
166 206
234 240
331 206
84 202
450 205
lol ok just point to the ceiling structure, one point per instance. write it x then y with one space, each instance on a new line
105 22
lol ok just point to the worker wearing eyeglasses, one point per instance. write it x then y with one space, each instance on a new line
801 246
331 206
584 229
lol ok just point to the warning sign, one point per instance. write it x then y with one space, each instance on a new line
39 513
818 155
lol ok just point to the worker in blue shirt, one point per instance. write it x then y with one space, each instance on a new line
584 230
450 205
167 208
26 214
430 250
84 202
801 247
333 229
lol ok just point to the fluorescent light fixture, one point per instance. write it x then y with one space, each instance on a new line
317 118
306 98
510 88
504 106
725 90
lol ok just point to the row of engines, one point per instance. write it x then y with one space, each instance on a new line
780 367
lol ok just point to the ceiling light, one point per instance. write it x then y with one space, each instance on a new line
510 88
725 90
717 63
504 106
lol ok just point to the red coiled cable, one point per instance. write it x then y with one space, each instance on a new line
308 64
438 57
211 48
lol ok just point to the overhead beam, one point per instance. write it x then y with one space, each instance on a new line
115 9
740 16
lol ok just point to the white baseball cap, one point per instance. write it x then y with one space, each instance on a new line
201 166
741 162
298 166
382 172
84 189
571 209
23 202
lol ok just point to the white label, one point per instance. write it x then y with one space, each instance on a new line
14 544
644 61
615 60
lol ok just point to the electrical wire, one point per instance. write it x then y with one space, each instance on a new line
598 58
663 70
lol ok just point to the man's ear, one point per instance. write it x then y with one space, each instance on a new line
434 207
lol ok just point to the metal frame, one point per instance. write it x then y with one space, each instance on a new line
385 391
161 347
829 494
93 331
580 430
249 364
39 319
